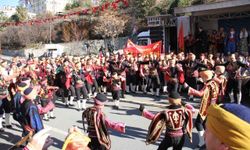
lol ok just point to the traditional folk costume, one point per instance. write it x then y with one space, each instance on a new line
31 118
5 100
234 81
177 120
174 76
18 100
80 87
144 75
105 80
46 96
131 77
69 86
213 38
122 73
209 95
98 125
63 82
116 89
154 79
91 82
231 42
221 80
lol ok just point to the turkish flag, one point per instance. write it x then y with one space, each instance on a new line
181 38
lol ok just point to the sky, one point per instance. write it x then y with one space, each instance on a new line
8 3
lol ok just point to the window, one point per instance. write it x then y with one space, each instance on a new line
95 2
142 42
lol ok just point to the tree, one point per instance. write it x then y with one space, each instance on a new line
20 15
141 8
11 38
3 18
79 29
110 24
66 32
68 6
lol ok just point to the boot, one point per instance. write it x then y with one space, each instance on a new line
89 95
7 120
1 125
191 98
127 89
105 90
136 88
143 88
131 87
239 97
84 104
45 117
117 102
66 102
79 106
51 114
231 96
71 103
201 138
152 91
165 89
157 92
122 94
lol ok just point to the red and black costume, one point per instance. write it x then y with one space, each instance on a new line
98 125
177 120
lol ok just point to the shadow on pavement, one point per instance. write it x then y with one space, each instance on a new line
11 138
7 146
132 133
57 143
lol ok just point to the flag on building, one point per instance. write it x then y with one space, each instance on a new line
181 38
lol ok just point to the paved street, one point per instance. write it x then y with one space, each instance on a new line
136 129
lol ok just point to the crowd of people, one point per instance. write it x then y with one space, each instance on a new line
31 87
219 42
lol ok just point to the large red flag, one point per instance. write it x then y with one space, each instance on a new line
181 38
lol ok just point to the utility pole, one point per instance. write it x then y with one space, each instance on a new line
164 36
50 25
50 33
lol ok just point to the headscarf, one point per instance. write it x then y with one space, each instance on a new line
230 124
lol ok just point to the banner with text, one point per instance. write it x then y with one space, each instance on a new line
134 49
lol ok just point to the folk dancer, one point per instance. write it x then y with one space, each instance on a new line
176 118
98 125
209 95
80 87
234 81
29 111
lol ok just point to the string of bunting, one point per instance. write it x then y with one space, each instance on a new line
92 10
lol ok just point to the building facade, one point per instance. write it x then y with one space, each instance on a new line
8 10
47 6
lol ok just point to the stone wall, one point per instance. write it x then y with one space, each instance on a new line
73 48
